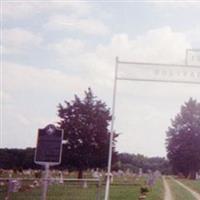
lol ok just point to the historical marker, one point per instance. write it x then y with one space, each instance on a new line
49 146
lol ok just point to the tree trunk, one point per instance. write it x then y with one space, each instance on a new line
80 174
192 174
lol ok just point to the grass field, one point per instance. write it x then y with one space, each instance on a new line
178 192
193 184
122 189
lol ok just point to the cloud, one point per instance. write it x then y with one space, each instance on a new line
19 40
21 10
97 65
68 47
85 25
193 36
22 78
159 45
156 45
18 10
174 3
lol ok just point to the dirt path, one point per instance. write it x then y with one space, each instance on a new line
168 194
195 194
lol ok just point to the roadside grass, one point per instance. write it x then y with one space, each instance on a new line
178 192
193 184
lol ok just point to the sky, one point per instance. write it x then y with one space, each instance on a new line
52 50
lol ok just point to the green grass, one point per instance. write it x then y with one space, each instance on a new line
178 192
59 192
157 192
63 192
193 184
124 192
127 188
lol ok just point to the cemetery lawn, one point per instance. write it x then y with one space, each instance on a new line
125 192
193 184
178 192
123 188
71 192
59 192
157 192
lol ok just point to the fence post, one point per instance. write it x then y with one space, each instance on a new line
8 191
98 185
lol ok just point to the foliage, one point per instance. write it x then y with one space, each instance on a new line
85 123
134 162
183 140
17 158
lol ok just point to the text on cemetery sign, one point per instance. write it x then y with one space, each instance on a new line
49 145
158 72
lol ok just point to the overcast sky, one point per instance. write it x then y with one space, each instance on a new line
55 49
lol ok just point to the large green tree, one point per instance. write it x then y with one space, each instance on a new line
183 140
85 123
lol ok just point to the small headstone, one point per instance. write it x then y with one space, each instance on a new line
157 174
85 185
61 181
14 186
120 173
197 176
150 179
140 172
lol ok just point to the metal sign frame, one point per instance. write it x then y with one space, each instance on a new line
61 147
117 78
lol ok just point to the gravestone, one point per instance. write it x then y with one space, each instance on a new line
140 172
14 185
150 178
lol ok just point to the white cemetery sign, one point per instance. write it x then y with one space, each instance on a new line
158 72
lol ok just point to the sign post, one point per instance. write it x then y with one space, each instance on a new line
45 183
48 151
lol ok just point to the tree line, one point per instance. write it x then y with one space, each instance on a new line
19 159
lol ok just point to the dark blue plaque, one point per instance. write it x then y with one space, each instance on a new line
49 145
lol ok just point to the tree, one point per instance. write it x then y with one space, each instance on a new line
135 162
85 123
183 140
17 158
